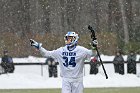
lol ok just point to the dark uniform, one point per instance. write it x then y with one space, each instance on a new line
7 63
131 63
118 63
94 64
52 67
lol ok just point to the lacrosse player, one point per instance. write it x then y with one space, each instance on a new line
71 60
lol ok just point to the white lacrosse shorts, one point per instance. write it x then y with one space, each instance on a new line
72 85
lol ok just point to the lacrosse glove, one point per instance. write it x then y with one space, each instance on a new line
35 44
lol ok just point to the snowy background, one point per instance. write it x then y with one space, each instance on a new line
36 76
117 23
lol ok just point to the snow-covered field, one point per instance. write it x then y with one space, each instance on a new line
36 76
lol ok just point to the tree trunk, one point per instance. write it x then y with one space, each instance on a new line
125 25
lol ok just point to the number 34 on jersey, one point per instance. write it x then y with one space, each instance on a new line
69 61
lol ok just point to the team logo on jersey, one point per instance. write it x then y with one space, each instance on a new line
69 54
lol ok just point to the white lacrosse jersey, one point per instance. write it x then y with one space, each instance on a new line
71 62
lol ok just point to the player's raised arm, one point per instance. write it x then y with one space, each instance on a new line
42 50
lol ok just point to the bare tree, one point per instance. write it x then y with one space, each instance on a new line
96 12
125 25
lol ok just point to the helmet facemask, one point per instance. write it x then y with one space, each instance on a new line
71 39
